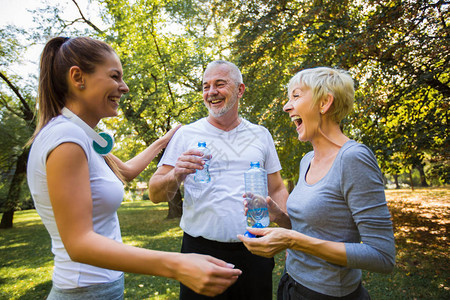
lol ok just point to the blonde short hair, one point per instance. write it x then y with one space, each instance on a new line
323 81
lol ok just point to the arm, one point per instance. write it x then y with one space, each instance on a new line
275 240
277 190
137 164
71 200
363 189
277 200
163 185
165 182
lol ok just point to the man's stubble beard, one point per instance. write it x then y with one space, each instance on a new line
224 109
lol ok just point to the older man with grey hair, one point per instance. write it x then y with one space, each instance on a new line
213 212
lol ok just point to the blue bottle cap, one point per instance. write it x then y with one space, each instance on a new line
254 164
249 235
258 225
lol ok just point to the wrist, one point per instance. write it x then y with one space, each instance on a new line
173 265
176 178
292 239
181 267
160 144
304 243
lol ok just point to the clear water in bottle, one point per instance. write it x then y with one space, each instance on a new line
256 194
203 176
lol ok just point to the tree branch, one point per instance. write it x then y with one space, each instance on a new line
86 20
27 112
4 102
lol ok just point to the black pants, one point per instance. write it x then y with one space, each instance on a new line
255 281
289 289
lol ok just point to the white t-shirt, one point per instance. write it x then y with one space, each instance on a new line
107 195
215 210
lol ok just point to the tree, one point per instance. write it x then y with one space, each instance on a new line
17 102
403 92
165 47
164 53
16 126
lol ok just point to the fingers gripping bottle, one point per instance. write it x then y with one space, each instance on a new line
203 175
256 194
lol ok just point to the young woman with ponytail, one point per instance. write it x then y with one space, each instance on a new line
77 188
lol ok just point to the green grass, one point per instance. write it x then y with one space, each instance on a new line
25 258
421 220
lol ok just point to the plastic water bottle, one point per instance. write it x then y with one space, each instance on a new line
256 194
203 175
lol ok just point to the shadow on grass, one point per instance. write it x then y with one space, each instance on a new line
26 246
26 258
39 291
145 225
421 222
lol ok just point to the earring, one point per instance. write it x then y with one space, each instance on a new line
321 111
82 87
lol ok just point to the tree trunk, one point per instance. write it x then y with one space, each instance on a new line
411 179
397 186
385 181
7 219
14 190
423 180
176 206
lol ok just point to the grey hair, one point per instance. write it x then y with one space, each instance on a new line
234 70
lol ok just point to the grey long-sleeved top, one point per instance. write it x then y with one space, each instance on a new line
347 205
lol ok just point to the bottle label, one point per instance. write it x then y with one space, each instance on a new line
203 176
256 193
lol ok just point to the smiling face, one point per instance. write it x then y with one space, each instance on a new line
221 91
102 90
304 112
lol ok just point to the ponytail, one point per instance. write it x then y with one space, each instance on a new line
58 56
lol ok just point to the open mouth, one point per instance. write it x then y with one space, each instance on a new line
297 120
115 99
214 100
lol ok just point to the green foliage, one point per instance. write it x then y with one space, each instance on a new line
13 134
10 47
402 97
164 47
16 125
401 108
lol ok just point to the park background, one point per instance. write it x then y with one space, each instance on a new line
396 51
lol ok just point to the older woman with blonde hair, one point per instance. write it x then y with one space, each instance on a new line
337 221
